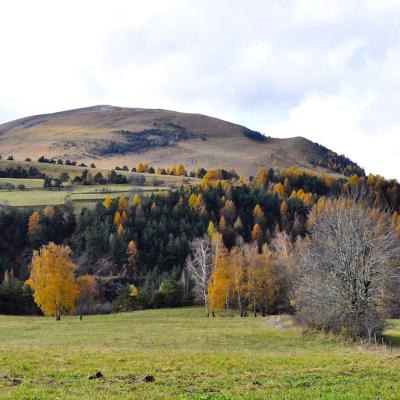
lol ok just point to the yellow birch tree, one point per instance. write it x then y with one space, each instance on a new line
53 281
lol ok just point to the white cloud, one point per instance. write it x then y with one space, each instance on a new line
329 71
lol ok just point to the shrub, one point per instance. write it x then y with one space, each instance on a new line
158 182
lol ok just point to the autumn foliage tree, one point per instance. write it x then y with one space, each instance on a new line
88 291
266 282
34 226
219 286
52 279
262 177
244 278
107 202
132 258
256 234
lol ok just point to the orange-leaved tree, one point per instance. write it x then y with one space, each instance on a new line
123 204
220 281
132 259
256 234
133 291
88 291
53 281
136 200
239 279
33 223
262 177
107 202
220 285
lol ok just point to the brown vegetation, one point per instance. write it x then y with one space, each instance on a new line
114 136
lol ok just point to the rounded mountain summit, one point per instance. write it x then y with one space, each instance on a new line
115 136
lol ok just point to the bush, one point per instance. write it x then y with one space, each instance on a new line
124 301
17 299
169 294
137 179
64 177
158 182
7 186
95 308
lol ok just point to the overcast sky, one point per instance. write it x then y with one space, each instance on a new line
326 70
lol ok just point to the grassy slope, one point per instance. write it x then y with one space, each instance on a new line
72 134
54 170
190 356
29 183
91 194
37 196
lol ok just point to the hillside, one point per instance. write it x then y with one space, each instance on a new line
113 136
34 194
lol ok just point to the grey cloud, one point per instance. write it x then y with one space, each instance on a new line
254 62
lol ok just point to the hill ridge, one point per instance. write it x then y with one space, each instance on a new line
114 135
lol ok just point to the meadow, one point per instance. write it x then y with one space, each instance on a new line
54 171
38 196
28 183
80 195
190 357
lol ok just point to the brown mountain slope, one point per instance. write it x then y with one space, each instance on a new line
113 136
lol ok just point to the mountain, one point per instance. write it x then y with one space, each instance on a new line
112 136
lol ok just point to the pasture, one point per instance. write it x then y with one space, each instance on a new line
190 357
54 171
79 195
28 183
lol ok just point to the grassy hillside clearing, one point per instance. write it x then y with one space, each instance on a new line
54 171
28 183
36 195
77 194
190 357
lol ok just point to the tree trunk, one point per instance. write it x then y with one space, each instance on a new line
206 303
240 305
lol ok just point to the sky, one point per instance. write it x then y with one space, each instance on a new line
325 70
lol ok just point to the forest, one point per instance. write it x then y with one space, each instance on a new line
147 241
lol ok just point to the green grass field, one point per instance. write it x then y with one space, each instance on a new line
78 194
35 195
29 183
190 357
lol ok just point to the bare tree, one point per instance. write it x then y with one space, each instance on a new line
199 265
345 273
